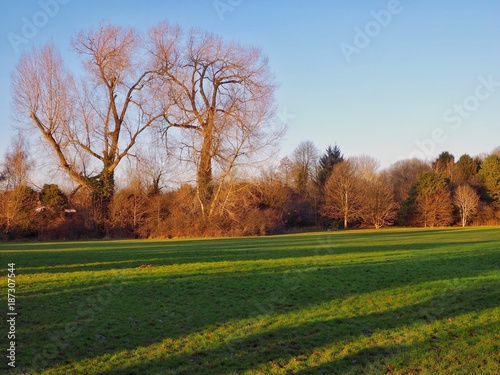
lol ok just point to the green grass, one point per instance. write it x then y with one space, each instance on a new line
362 302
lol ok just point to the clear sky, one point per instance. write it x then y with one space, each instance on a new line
391 79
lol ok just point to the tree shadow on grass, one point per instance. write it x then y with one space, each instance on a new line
279 347
165 253
428 357
194 302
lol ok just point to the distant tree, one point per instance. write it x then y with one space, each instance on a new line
131 206
466 169
467 201
50 216
52 197
327 161
152 167
258 208
378 205
433 201
51 204
182 214
490 176
17 164
20 211
444 164
285 171
366 167
272 192
304 163
403 176
343 193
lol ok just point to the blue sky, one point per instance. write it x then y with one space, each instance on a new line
391 79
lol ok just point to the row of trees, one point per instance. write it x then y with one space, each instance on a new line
409 193
186 120
303 191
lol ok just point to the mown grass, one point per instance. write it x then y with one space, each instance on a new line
363 302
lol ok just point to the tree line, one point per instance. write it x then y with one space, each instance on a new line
168 104
303 191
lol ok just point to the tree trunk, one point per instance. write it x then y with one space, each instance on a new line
204 173
346 212
103 194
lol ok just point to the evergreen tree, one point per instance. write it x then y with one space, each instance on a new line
444 164
53 198
490 175
466 169
328 160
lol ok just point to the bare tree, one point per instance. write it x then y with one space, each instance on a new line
222 97
376 199
379 208
403 175
131 204
154 166
496 151
17 164
304 164
467 201
343 194
366 167
90 126
285 171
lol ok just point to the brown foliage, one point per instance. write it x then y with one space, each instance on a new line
343 193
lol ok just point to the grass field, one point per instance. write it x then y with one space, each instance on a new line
359 302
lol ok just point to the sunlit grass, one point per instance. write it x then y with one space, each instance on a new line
394 301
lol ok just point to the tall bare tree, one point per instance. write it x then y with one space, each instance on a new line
223 103
379 207
343 193
304 164
90 125
366 167
467 201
